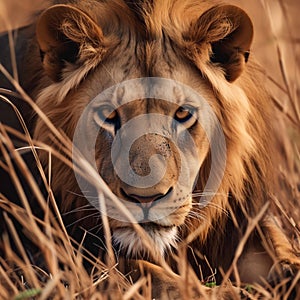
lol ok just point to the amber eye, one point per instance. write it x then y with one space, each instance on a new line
107 114
184 113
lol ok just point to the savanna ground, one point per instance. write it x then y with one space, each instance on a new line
277 49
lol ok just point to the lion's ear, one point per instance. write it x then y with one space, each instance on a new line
66 34
229 31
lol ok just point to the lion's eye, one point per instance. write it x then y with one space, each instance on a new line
184 114
106 114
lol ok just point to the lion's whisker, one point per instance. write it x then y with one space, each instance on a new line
83 218
199 194
84 208
211 204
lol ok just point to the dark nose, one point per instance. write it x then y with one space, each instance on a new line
145 201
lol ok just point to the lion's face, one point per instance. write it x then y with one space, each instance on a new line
154 184
149 152
155 177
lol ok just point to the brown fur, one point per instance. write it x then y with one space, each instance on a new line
173 39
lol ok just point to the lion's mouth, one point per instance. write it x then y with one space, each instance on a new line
149 226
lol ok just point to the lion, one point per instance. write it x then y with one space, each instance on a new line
82 48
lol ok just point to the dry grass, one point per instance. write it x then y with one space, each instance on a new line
276 48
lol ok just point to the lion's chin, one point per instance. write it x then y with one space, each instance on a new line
132 245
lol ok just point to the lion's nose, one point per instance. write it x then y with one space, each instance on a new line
145 199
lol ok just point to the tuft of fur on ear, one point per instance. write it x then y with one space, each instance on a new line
229 32
66 34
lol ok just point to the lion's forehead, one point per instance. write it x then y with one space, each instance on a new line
148 94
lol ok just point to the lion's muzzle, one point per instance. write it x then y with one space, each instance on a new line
155 157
